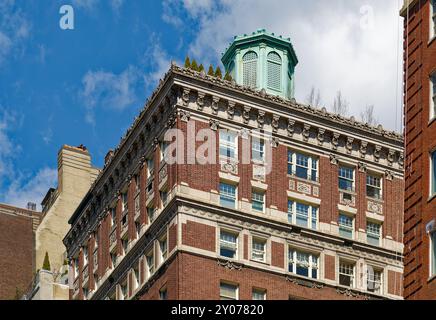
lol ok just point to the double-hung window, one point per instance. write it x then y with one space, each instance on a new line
302 215
228 291
228 244
227 195
149 259
85 255
433 254
346 178
373 186
374 280
258 149
124 201
258 250
163 248
150 167
259 294
346 274
228 144
433 173
303 264
258 201
113 216
302 166
163 151
433 18
373 233
346 226
433 95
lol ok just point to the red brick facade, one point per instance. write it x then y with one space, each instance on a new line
419 65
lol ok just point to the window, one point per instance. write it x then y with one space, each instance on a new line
149 259
150 167
76 267
346 178
433 95
125 245
302 215
258 201
227 195
228 144
163 151
374 280
150 214
113 259
346 226
228 244
258 149
303 264
85 255
346 274
302 166
164 198
137 229
433 173
137 182
274 66
124 201
433 253
259 294
113 216
373 233
433 18
228 291
136 278
373 186
163 294
258 250
163 248
250 69
123 291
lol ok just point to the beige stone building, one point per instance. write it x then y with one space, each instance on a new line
75 177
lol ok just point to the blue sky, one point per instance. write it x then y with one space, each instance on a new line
85 86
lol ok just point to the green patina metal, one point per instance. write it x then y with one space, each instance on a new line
262 60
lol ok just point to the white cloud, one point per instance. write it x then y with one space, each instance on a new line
7 122
21 191
14 29
335 48
108 90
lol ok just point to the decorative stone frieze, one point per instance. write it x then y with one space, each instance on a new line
320 136
185 115
231 110
362 167
391 157
389 175
304 188
275 123
215 105
334 159
200 100
185 96
214 124
377 153
246 114
261 118
291 127
375 207
306 132
244 133
363 148
349 145
335 140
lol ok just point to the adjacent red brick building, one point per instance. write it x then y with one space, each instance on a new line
420 141
17 254
324 223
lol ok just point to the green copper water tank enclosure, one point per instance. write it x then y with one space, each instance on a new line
262 60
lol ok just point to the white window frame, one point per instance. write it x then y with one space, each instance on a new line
311 161
230 245
228 145
226 297
254 198
76 267
371 181
432 19
85 255
150 265
163 241
136 278
312 264
374 279
353 179
432 84
432 173
352 275
260 292
258 147
113 212
352 228
124 201
228 195
151 217
369 231
256 253
311 218
150 167
432 251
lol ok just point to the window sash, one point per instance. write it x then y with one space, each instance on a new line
228 244
346 274
302 215
258 150
346 226
433 173
228 291
374 281
259 295
302 263
433 253
258 201
258 250
228 144
302 166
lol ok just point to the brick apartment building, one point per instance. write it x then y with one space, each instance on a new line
17 238
420 142
325 223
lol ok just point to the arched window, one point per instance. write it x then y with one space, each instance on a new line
274 66
250 69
